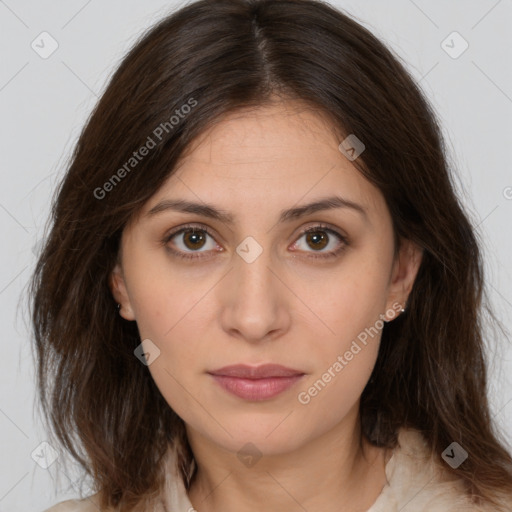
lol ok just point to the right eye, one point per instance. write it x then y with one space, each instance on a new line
192 238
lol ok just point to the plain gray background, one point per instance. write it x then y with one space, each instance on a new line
45 102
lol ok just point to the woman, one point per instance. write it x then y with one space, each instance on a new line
260 290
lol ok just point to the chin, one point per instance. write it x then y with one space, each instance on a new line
269 435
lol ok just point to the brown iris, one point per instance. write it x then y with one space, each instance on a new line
196 238
319 239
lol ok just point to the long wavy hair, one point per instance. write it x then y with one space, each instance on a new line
220 56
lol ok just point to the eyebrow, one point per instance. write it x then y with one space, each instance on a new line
212 212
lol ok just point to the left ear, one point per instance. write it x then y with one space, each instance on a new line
405 269
118 289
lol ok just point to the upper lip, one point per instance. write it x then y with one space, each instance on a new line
256 372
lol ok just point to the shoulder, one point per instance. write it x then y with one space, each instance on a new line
89 504
417 479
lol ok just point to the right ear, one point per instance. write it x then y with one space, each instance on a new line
119 292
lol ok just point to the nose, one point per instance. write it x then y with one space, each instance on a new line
255 302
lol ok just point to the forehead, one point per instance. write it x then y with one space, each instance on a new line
277 154
279 131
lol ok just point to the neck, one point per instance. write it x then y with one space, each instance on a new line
338 467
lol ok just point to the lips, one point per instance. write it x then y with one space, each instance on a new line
256 383
256 372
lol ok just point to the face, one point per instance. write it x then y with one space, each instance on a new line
251 288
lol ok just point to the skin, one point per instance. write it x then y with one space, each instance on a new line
286 307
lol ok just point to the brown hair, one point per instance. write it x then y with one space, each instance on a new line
219 56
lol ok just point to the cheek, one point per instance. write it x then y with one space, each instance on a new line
163 295
176 388
345 368
345 352
348 302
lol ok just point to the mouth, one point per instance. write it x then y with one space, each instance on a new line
256 383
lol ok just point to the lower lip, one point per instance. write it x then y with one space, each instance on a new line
256 389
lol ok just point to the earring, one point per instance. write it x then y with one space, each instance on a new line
402 310
118 308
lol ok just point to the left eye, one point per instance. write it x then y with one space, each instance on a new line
195 238
319 238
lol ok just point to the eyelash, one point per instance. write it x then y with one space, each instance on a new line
206 229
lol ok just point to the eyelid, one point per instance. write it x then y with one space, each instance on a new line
314 226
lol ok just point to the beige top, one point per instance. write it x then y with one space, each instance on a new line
413 480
